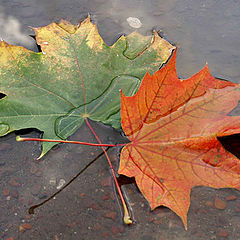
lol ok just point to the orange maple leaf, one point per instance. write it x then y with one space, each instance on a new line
173 126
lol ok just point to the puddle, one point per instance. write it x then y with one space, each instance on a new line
204 31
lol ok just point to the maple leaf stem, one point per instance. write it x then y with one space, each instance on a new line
126 216
20 139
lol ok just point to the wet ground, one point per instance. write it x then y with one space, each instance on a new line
89 208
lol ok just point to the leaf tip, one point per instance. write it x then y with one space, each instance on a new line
86 20
121 92
185 226
31 27
206 69
174 53
3 43
89 16
42 154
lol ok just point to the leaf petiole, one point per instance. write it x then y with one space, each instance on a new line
20 139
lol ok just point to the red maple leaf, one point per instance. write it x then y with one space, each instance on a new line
173 126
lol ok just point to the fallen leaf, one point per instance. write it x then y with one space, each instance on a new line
76 76
173 126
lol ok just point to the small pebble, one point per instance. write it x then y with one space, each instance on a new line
134 22
219 203
52 181
61 183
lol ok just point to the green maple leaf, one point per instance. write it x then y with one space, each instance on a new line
75 76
